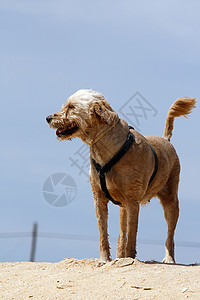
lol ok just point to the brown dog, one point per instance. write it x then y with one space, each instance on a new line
88 116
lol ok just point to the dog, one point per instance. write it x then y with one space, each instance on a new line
149 168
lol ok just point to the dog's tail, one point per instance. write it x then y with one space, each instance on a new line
181 107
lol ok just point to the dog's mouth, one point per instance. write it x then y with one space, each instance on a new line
67 131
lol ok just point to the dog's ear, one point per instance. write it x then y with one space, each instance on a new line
105 112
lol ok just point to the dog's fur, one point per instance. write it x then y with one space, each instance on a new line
87 115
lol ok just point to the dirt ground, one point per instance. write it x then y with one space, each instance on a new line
90 279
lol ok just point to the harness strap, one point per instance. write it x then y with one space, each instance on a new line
105 190
106 168
156 165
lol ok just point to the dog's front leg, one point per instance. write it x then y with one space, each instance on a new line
102 219
132 224
121 245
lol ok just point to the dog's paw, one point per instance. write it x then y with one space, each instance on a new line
105 259
168 260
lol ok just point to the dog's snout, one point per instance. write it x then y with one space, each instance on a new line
49 119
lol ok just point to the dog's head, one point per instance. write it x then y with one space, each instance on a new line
85 114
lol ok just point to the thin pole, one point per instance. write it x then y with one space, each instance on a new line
34 240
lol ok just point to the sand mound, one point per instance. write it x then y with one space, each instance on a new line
90 279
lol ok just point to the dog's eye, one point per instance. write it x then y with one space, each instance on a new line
71 106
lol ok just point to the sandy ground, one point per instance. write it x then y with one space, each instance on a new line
90 279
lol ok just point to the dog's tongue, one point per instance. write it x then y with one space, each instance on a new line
59 131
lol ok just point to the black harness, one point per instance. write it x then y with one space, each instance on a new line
106 168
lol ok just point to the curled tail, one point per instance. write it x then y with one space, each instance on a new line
181 107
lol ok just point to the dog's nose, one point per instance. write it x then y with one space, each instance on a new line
48 119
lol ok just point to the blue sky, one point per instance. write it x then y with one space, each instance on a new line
49 50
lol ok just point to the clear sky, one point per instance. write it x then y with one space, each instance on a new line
49 50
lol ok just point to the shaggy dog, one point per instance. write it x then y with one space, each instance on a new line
87 115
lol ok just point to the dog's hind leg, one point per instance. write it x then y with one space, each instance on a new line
132 226
121 245
169 200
